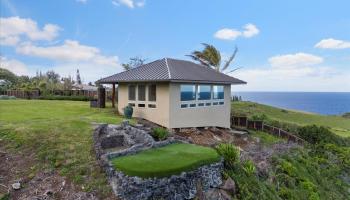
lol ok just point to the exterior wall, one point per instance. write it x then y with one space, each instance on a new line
218 115
158 115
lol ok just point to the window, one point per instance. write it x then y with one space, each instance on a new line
221 103
141 92
192 105
215 103
184 105
218 92
132 104
152 105
141 105
204 92
188 92
207 104
152 92
132 92
201 104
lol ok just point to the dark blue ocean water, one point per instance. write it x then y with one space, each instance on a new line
327 103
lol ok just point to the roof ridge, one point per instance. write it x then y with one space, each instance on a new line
166 63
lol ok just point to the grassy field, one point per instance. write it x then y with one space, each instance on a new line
166 161
59 133
337 124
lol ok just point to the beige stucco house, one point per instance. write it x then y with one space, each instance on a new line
176 93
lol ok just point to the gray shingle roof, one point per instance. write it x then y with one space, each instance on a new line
171 70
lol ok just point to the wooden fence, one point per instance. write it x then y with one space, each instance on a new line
244 122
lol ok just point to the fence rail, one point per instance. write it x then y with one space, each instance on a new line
238 121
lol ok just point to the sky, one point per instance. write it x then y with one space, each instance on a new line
291 45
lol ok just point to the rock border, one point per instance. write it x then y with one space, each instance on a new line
182 186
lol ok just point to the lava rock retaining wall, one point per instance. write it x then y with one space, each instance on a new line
183 186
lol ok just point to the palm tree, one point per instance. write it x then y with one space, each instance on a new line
211 57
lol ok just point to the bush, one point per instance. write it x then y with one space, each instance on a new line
6 97
249 167
69 98
230 154
160 133
317 135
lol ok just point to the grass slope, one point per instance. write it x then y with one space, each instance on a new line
339 125
60 135
166 161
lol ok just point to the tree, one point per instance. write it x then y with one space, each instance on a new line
52 76
78 77
211 57
67 82
133 63
7 78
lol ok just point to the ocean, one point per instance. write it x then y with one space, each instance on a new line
327 103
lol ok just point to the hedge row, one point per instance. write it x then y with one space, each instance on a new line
71 98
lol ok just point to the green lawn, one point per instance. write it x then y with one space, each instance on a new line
338 124
59 133
165 161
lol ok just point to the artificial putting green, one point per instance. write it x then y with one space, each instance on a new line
166 161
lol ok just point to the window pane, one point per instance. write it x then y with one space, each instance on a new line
132 92
188 92
204 92
184 105
152 94
218 92
142 92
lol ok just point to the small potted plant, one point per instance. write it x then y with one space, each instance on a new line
128 110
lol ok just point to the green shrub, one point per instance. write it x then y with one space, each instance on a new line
249 167
160 133
69 98
346 115
261 117
6 97
319 134
230 153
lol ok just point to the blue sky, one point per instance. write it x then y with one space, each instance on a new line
283 45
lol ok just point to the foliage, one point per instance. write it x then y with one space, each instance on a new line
292 120
211 57
346 115
165 161
133 63
236 98
5 97
59 134
160 133
249 167
8 79
229 152
266 138
70 98
317 135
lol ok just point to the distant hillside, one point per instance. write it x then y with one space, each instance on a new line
337 124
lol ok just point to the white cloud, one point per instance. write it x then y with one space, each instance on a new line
250 30
294 72
227 34
294 60
12 28
70 51
129 3
331 43
81 1
13 65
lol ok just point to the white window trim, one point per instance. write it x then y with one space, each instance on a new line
197 101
